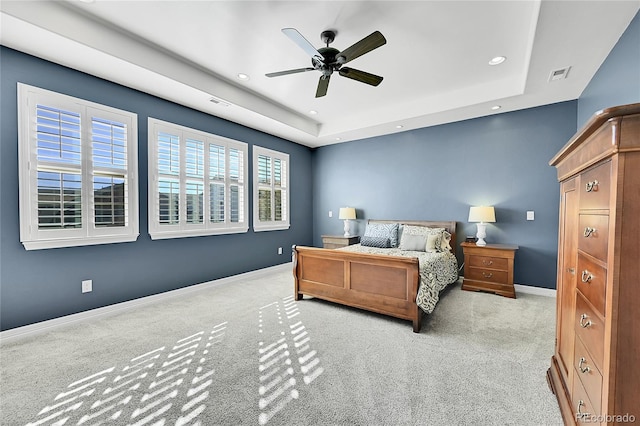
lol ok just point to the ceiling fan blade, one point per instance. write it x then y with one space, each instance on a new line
367 44
298 39
279 73
361 76
323 85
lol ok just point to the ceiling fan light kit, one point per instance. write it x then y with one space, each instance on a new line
328 59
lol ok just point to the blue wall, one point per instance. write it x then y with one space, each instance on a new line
617 82
433 174
44 284
436 173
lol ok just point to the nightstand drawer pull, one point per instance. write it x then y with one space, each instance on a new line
489 275
589 232
592 186
586 276
583 369
580 414
487 262
583 323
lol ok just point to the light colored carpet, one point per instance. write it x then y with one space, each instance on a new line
246 353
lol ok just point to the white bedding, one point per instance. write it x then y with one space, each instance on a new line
437 270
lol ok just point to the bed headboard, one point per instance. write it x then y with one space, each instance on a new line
450 226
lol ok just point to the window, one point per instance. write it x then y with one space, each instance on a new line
197 183
270 190
78 162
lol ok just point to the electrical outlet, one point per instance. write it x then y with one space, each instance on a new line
279 250
330 213
87 286
530 215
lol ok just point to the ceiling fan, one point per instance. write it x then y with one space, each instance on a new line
327 59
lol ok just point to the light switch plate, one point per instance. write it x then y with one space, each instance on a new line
530 215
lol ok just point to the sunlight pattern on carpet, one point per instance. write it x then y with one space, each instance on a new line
99 398
283 336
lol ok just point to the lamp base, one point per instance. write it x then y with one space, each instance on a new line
347 231
482 232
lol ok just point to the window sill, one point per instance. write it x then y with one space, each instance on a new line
279 227
159 235
77 242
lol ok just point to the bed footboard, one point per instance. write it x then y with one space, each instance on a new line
384 284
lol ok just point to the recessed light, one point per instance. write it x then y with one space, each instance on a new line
338 139
313 112
242 76
399 126
495 107
497 60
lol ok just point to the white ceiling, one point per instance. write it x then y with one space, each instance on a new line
435 62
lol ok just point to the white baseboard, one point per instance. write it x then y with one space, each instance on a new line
32 329
538 291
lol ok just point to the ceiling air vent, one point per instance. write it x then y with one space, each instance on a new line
559 74
219 101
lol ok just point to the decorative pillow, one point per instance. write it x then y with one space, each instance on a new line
432 240
413 242
445 245
380 242
426 231
383 230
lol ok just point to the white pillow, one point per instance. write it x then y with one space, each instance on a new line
413 242
445 244
426 231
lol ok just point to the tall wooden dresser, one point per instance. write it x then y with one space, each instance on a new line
595 369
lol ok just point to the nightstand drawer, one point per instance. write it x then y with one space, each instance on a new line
489 262
489 268
338 241
500 277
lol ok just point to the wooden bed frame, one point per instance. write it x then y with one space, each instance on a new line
384 284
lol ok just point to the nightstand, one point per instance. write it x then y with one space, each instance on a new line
489 268
337 241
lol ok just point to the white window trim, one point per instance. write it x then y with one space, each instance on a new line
183 229
259 226
31 236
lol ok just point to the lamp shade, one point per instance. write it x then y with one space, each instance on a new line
482 214
347 213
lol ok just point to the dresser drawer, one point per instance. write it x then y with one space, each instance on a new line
489 262
594 235
596 182
584 411
480 274
588 374
590 328
592 279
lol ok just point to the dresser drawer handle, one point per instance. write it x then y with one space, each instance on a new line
487 262
489 275
583 323
583 369
586 276
579 413
589 232
592 186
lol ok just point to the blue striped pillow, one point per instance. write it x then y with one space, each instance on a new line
380 242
